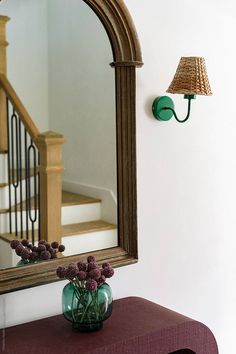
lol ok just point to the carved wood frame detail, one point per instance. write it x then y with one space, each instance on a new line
127 56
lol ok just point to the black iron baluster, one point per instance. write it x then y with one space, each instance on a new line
34 198
9 167
26 187
39 216
16 149
20 176
15 158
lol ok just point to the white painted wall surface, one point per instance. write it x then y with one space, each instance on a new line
82 93
28 55
186 177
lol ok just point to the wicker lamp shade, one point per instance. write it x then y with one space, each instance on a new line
191 77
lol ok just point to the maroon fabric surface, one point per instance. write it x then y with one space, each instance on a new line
136 326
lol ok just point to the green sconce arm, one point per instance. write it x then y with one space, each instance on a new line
163 108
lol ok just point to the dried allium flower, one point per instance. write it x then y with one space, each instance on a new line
91 285
45 255
81 275
101 280
91 259
25 253
47 245
14 244
61 248
41 242
92 266
108 272
25 242
55 244
30 246
34 256
61 272
71 271
53 255
34 249
41 248
94 274
106 264
82 266
19 249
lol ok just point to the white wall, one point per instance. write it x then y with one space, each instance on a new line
186 176
27 55
79 106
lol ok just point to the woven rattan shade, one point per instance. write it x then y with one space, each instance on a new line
191 77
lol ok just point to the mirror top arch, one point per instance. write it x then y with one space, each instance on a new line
120 29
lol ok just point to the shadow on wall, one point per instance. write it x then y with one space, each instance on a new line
183 351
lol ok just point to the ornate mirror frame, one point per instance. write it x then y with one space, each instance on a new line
127 56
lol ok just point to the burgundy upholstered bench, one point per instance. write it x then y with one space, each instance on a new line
136 326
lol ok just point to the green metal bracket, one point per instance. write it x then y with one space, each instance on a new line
163 108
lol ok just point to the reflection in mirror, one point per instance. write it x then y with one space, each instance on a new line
58 63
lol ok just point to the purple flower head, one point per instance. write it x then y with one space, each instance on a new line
34 256
34 249
25 253
91 259
82 266
41 248
53 255
47 245
45 255
71 271
14 244
92 266
61 272
94 274
61 248
91 285
108 272
19 249
42 242
106 264
81 275
55 244
101 280
25 242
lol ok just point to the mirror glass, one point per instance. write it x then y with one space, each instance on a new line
58 63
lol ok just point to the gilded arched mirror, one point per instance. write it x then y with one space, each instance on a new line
126 56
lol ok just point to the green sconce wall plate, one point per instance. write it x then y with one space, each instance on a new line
163 108
160 108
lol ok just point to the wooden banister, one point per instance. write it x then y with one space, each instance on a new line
3 70
19 107
50 169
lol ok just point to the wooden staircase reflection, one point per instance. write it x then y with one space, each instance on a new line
82 228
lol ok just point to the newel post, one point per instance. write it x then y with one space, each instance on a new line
3 70
50 169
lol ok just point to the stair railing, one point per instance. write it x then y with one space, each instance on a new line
35 203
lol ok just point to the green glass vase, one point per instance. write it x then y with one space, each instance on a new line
86 310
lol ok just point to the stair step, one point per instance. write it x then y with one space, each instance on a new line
74 232
9 237
88 237
21 178
4 194
86 227
68 199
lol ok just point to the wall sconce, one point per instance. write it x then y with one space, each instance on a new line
190 79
